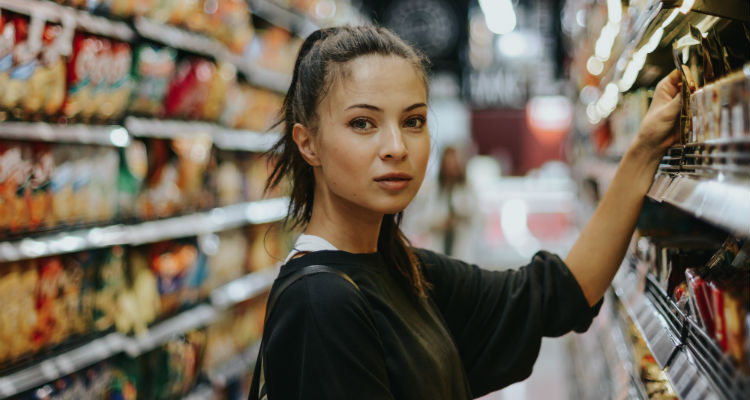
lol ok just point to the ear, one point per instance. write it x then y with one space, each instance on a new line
306 144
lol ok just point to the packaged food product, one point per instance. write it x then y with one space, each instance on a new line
27 44
110 283
224 77
131 174
228 259
16 166
739 104
84 74
103 197
119 82
40 201
7 43
153 69
189 88
171 263
139 304
193 158
61 185
17 293
99 71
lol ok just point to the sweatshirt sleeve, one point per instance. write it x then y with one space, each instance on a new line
498 318
322 344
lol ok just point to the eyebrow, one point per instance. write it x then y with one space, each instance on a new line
378 109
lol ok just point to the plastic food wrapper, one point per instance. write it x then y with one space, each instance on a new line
189 89
46 85
84 74
153 69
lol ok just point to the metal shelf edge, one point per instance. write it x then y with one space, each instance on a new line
61 365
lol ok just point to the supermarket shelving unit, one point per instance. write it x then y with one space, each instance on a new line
716 192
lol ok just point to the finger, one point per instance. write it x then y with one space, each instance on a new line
670 84
672 109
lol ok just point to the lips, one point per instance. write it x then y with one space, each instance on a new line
393 177
394 182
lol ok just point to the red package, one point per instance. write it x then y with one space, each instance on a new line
697 289
189 89
717 302
81 70
48 307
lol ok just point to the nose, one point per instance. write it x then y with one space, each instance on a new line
392 144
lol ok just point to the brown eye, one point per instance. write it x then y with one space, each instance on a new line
415 122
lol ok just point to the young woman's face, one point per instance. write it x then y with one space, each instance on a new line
372 141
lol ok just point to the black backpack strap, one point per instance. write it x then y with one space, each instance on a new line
258 387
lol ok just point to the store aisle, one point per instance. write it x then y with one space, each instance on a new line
548 381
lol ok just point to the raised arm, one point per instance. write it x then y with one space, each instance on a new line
598 252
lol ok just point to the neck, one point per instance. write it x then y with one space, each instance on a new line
345 225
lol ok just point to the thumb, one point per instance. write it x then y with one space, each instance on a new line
671 109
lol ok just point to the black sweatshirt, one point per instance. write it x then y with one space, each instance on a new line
477 331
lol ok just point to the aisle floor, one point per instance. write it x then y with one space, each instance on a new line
548 381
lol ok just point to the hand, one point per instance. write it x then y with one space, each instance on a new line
656 134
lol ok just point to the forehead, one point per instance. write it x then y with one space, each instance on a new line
379 80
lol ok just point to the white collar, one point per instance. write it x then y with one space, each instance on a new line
308 244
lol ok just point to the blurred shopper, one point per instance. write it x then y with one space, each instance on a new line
448 210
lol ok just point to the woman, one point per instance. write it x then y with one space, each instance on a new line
413 324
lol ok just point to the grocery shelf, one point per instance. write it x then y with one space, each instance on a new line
110 135
282 17
193 42
82 19
721 202
179 38
61 365
218 219
223 138
235 368
244 288
674 341
160 333
617 344
228 139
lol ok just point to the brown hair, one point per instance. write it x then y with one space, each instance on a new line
320 61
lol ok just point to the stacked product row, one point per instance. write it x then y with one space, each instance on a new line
171 370
47 186
52 70
63 299
707 284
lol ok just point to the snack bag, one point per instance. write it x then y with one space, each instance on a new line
153 70
193 156
18 319
120 82
16 165
223 79
102 204
83 168
40 201
51 326
170 262
28 43
131 174
82 75
99 73
110 283
61 185
189 89
7 43
46 87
